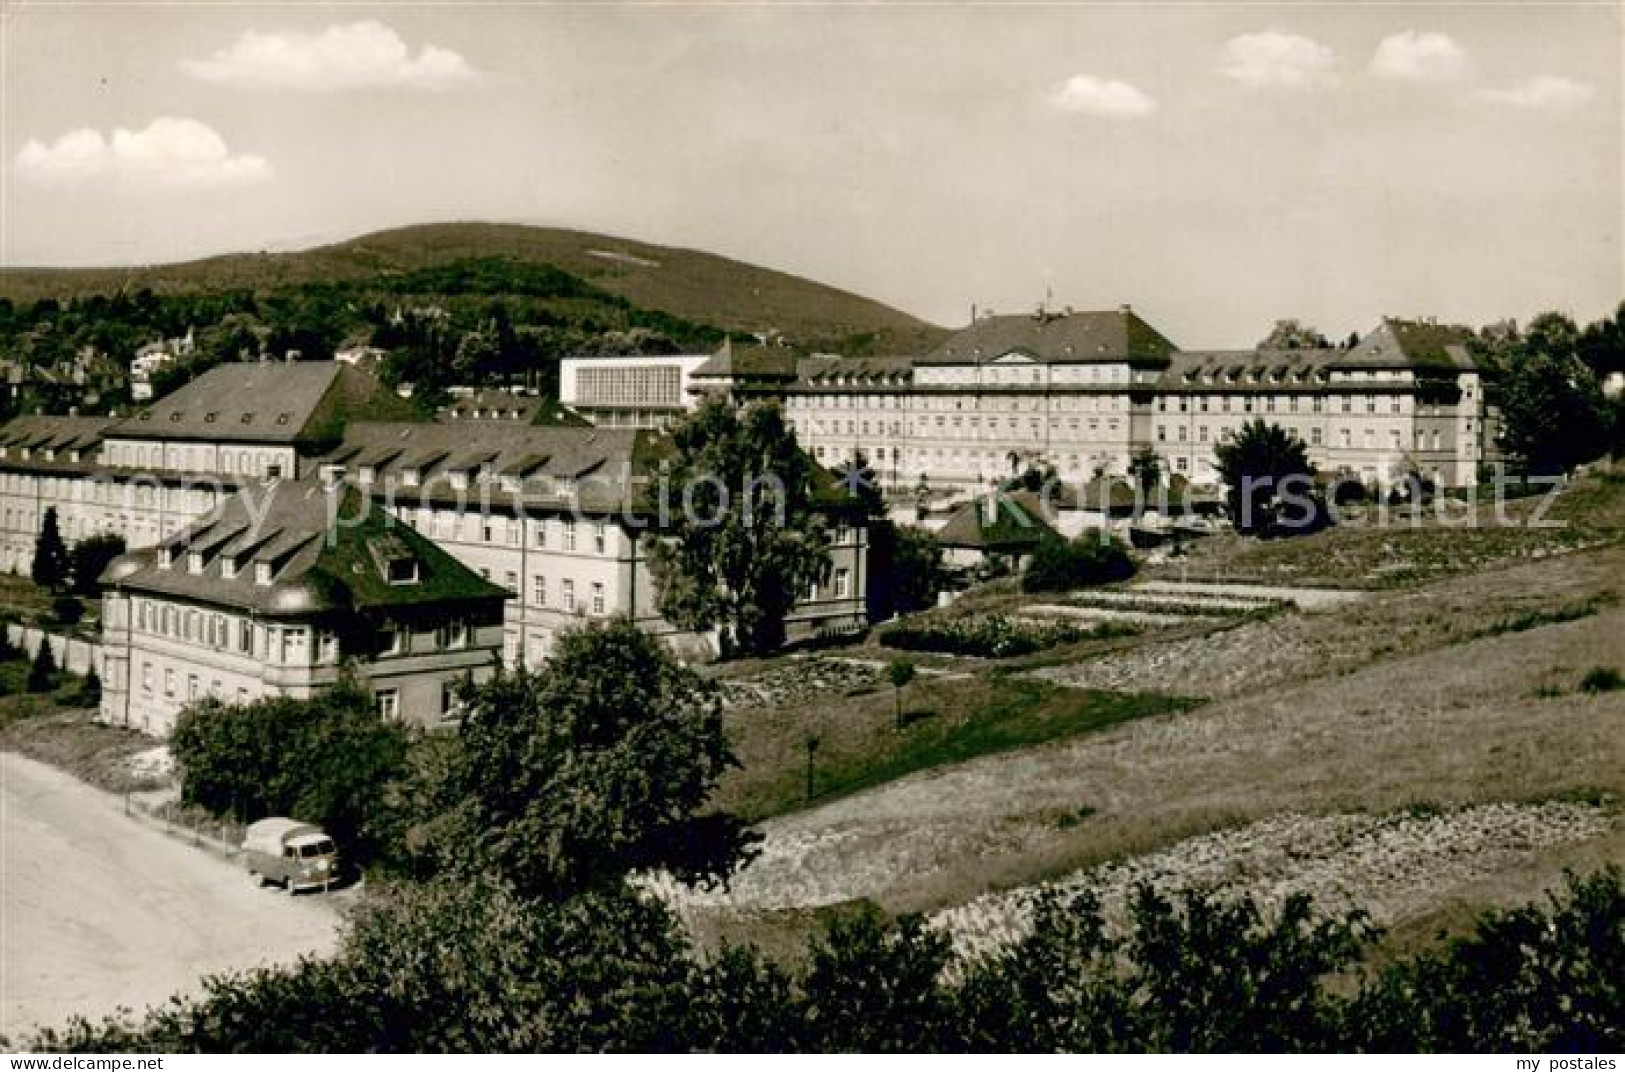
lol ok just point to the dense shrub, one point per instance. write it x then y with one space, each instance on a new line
1060 565
326 760
67 610
993 636
42 672
89 558
469 965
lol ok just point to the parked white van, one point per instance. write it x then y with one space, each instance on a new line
299 856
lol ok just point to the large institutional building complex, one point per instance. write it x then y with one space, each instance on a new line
1085 391
287 517
220 490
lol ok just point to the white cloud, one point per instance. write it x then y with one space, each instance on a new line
169 152
1544 92
1276 59
358 55
1089 95
1409 56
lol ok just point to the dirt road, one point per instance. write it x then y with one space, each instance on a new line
98 910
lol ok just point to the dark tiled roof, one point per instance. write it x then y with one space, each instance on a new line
877 373
1212 369
490 404
543 458
56 433
744 361
319 566
1056 338
1005 522
301 402
1415 344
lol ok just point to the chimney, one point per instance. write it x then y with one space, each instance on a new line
1125 308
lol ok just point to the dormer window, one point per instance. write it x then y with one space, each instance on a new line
262 573
366 474
228 568
166 557
402 570
194 562
410 477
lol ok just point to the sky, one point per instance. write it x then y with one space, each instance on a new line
1217 166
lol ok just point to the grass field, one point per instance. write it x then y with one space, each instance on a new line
56 728
1477 684
946 720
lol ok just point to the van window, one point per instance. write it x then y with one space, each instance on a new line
316 848
289 851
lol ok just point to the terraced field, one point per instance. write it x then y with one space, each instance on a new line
1420 748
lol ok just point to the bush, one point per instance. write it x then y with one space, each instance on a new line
326 760
67 610
1601 679
89 558
1093 558
90 689
993 636
467 965
42 674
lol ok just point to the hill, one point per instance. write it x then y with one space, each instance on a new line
689 284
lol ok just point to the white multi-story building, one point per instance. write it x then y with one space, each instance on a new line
277 592
1084 392
636 391
555 517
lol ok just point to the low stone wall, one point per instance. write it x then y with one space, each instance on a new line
74 654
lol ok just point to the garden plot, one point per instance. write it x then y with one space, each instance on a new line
1395 867
800 680
1255 595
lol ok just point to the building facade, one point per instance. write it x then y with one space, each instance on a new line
637 391
1083 392
554 517
277 592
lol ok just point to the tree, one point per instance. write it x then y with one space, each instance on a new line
594 766
1553 414
905 570
89 558
742 535
1293 335
67 610
862 485
1059 565
1146 469
90 690
50 568
900 673
1263 467
42 673
325 760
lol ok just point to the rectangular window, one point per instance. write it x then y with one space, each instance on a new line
169 681
390 641
599 537
569 535
842 579
568 595
538 590
510 581
146 677
539 534
597 597
191 686
245 637
388 702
